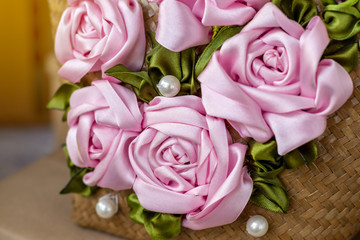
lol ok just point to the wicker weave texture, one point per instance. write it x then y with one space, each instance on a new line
324 197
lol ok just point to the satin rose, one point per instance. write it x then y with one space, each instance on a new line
269 80
97 35
104 118
187 23
186 163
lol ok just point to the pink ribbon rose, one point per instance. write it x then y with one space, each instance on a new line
186 163
104 118
97 35
269 80
186 23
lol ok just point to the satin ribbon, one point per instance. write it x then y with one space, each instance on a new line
61 99
219 37
186 163
160 226
96 35
76 184
273 74
301 11
265 166
344 52
342 20
184 24
161 62
104 118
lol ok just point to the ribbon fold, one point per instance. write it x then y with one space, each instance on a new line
161 62
302 11
160 226
76 184
265 166
61 99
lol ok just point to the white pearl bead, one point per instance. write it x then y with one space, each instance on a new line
169 86
257 226
106 208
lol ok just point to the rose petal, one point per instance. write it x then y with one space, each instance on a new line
114 171
178 29
294 129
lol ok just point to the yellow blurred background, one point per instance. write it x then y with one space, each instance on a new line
28 77
25 48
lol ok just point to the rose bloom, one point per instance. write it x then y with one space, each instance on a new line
187 23
104 118
269 80
186 163
97 35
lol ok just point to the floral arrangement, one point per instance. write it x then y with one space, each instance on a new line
231 94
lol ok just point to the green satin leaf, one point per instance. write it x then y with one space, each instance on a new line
76 184
270 194
161 62
305 154
219 38
302 11
344 52
160 226
128 76
61 99
136 212
342 20
264 151
154 43
140 81
215 30
266 164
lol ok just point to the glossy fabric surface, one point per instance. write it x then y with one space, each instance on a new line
186 163
269 80
97 35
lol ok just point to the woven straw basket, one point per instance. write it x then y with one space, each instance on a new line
324 197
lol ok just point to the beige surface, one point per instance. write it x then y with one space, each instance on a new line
32 209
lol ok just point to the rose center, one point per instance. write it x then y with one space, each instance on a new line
177 153
273 59
85 26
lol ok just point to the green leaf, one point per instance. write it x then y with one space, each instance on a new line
140 81
305 154
160 226
266 164
342 19
76 184
343 52
302 11
270 194
221 36
61 99
154 43
161 62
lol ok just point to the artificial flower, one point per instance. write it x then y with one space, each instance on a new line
342 18
187 23
104 118
269 80
185 163
97 35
